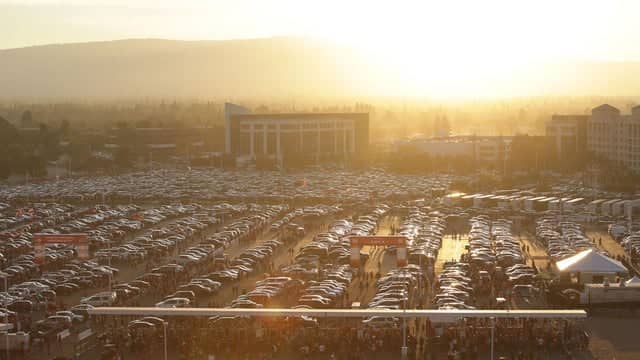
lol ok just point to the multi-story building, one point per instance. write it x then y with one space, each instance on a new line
615 137
606 133
569 134
483 149
313 136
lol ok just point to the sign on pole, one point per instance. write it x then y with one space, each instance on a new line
378 240
79 241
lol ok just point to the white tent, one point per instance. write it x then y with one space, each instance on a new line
634 281
591 266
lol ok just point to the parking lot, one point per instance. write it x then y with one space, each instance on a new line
209 238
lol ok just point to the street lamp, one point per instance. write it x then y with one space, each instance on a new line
404 351
5 277
493 327
164 327
109 263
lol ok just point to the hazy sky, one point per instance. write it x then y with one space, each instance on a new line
548 29
449 43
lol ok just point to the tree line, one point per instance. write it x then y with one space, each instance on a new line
27 154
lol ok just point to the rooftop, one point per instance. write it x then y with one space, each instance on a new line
298 115
605 108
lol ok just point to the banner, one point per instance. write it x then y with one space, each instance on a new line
79 241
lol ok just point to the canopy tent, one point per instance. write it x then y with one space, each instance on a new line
590 261
590 266
634 281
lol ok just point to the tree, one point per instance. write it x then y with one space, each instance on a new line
9 145
35 165
26 121
64 128
532 154
80 154
5 167
48 143
123 158
263 162
144 123
8 133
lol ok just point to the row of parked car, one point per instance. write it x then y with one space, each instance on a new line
424 233
70 275
209 250
563 239
491 243
167 238
507 247
171 185
454 288
246 263
305 212
396 289
330 291
324 263
631 244
333 246
21 222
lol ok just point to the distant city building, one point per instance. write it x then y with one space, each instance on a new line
614 136
486 149
310 135
569 134
606 133
167 140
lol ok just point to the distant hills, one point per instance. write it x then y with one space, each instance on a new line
275 67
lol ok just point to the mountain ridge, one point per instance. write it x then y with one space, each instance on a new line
261 67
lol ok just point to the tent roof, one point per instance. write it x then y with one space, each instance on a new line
591 261
633 281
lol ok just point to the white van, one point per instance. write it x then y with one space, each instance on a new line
100 299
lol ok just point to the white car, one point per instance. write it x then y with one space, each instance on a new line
101 299
32 287
379 321
174 303
75 318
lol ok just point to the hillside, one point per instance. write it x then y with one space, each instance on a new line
165 68
275 67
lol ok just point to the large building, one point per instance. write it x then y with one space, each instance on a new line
313 136
569 134
614 136
483 149
606 133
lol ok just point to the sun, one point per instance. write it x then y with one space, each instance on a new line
457 48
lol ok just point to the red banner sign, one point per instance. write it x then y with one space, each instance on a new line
59 238
80 242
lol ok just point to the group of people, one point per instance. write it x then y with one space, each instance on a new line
514 339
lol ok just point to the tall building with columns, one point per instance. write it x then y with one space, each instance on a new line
280 135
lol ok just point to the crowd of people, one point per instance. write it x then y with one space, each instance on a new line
470 338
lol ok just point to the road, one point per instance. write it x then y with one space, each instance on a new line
380 261
452 248
538 254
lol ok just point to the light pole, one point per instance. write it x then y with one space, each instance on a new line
493 327
164 327
109 263
404 351
5 277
